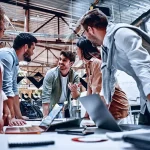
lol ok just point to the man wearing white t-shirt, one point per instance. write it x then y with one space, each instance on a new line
60 84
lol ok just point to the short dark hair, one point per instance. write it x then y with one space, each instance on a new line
70 55
22 39
88 50
94 18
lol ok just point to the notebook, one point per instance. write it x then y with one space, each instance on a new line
44 125
29 140
101 115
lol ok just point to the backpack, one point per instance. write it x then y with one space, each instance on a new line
30 110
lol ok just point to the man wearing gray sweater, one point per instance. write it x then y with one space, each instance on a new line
124 47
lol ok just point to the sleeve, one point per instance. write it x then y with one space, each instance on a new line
47 87
7 61
96 84
15 85
131 43
4 97
76 80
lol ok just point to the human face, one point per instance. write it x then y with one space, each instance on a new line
92 35
64 63
29 52
2 29
79 53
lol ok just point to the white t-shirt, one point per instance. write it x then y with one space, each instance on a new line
63 96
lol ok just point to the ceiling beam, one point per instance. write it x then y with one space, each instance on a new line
25 6
49 47
139 20
44 24
42 41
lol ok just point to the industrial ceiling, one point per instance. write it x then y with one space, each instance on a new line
52 21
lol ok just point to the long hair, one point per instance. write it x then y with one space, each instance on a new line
88 50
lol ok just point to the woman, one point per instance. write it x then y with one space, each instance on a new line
91 58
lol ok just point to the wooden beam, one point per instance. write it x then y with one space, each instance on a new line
26 21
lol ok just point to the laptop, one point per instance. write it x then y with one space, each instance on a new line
141 141
46 124
101 115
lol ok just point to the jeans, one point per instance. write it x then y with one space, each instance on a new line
144 119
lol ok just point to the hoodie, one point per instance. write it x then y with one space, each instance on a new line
123 49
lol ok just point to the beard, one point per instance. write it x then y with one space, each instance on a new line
62 67
26 57
94 40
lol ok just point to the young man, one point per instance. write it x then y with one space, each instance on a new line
60 84
22 50
122 49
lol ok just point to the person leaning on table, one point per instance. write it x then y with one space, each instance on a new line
90 56
124 47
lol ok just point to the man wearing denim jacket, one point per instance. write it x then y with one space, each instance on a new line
124 47
22 50
60 84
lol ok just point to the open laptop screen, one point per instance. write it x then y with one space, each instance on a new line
99 112
51 116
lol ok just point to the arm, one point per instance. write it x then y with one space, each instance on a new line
7 61
1 104
74 87
1 100
139 58
45 109
96 81
89 90
16 105
46 93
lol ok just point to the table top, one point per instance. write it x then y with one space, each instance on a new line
63 141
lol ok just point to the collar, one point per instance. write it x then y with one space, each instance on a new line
16 57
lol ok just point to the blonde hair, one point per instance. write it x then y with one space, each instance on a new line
1 15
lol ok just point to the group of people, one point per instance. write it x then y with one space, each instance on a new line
121 47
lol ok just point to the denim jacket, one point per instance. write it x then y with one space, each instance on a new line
52 87
10 63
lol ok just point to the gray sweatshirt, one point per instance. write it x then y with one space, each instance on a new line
125 50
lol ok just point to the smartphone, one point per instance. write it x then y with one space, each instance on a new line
80 131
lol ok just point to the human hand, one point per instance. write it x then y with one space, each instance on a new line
16 122
73 87
23 117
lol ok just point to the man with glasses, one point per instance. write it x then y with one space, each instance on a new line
124 47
